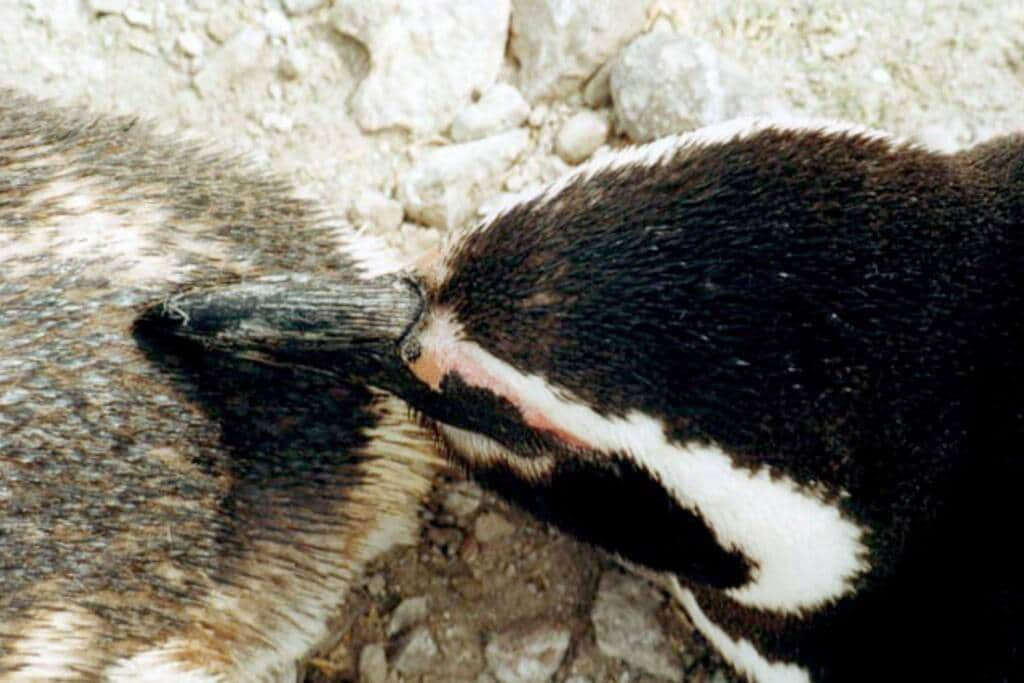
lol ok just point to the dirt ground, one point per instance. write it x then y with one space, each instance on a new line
944 72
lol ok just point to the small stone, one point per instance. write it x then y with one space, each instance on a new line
373 211
580 136
233 60
626 626
598 90
426 58
664 84
277 122
376 585
296 7
445 186
221 24
559 44
190 44
527 653
499 109
840 46
276 24
138 18
416 653
409 612
462 499
538 115
373 664
293 65
491 526
108 6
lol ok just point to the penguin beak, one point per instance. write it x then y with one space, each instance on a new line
350 326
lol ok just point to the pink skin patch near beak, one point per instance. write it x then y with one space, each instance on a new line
443 351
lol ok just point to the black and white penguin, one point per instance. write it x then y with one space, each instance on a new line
779 367
168 516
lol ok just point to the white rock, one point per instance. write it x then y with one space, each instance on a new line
446 185
491 526
580 136
529 653
416 653
598 90
277 122
295 7
463 499
232 61
664 83
138 17
559 44
373 664
626 626
293 65
372 210
276 24
108 6
538 115
499 109
409 612
190 44
426 58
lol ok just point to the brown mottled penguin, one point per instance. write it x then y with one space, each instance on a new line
168 516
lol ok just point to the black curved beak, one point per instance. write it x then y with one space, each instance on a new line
348 326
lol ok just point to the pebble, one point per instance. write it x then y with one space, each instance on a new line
277 122
190 44
232 60
373 211
426 58
373 664
527 653
499 109
538 115
444 187
580 136
295 7
108 6
462 499
665 83
409 612
559 44
626 626
376 585
416 653
276 24
491 526
293 65
598 90
221 24
139 18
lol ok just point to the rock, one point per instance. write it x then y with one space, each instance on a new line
139 18
416 653
462 499
580 136
373 211
277 122
376 585
232 60
528 653
444 187
499 109
491 527
373 664
426 58
295 7
538 115
626 626
190 44
598 90
409 612
108 6
276 24
293 65
664 83
559 44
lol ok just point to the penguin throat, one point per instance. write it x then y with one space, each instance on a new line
806 551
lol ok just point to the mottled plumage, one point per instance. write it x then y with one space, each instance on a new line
166 515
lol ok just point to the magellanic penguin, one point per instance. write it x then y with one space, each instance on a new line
167 516
779 367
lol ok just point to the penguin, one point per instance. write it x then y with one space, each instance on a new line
167 515
777 366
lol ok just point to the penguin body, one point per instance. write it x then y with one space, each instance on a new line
166 515
778 367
